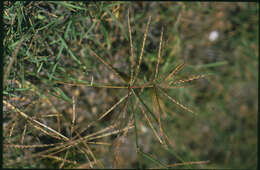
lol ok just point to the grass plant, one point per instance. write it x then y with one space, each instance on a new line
104 85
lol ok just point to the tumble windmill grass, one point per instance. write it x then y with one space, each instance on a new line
131 82
132 100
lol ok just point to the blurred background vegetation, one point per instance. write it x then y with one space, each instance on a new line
47 41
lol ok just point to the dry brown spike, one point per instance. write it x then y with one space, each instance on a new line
114 106
88 149
132 57
150 124
24 131
189 163
34 121
175 71
33 146
60 159
11 132
64 160
188 79
73 115
118 143
142 50
174 101
159 55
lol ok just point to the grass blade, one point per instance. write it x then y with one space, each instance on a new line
107 65
116 21
189 163
216 64
105 35
158 109
56 64
135 125
153 129
152 159
69 5
6 75
146 107
61 95
67 48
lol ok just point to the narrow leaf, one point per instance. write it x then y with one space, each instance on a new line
152 159
107 65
